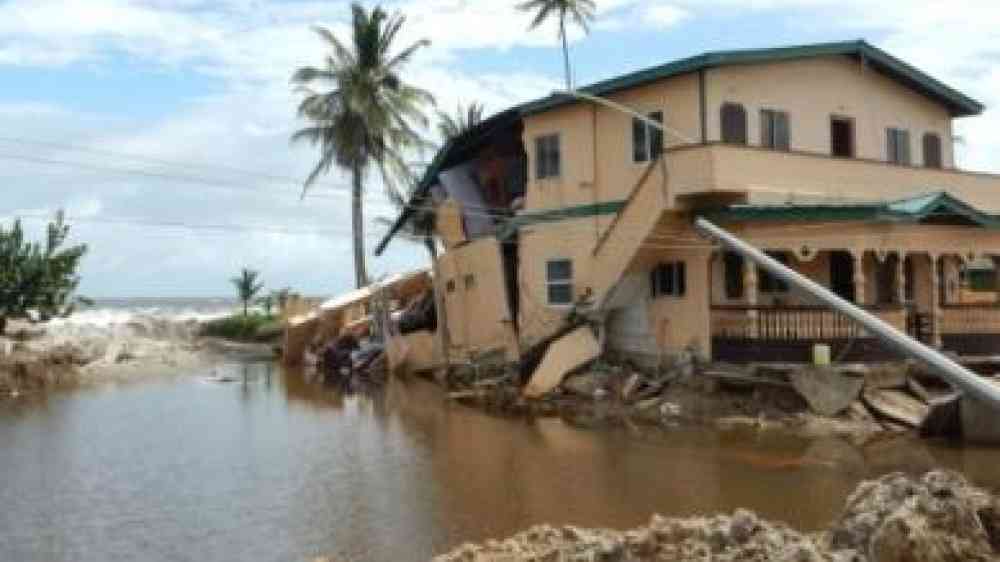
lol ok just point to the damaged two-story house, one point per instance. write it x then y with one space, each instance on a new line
835 158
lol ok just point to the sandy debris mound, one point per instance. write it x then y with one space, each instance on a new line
936 518
939 517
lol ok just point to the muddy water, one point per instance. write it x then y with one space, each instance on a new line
278 469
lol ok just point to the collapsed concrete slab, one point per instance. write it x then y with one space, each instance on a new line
896 405
826 391
563 356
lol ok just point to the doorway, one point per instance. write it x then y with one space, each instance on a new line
842 275
842 137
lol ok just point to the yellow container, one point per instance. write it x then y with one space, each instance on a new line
821 354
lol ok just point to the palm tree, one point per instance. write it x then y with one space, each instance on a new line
582 12
368 116
247 287
465 118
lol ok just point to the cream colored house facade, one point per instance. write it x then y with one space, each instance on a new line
838 158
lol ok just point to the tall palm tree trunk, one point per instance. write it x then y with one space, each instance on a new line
358 229
565 46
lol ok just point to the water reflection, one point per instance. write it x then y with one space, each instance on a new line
276 467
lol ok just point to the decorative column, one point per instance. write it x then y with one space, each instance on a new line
901 277
859 276
750 289
936 313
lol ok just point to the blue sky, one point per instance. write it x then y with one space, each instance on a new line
179 111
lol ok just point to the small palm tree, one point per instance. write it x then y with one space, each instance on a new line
581 11
465 118
247 287
368 116
267 303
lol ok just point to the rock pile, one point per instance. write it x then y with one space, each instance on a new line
937 518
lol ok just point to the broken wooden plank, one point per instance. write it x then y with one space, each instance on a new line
564 355
896 405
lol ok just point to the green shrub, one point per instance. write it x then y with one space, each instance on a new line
254 327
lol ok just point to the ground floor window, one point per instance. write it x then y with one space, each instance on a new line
559 281
669 280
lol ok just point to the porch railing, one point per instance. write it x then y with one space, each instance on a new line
970 318
794 323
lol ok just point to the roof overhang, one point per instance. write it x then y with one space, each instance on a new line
927 208
455 151
958 104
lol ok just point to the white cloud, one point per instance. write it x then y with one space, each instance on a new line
251 46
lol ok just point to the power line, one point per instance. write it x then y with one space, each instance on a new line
187 178
161 161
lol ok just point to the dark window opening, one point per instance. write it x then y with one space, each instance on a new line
547 157
733 266
897 146
774 129
734 123
470 281
932 151
668 280
769 283
647 141
842 137
450 286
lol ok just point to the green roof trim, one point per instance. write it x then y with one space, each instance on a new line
926 207
517 222
958 103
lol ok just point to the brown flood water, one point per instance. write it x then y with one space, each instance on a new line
279 469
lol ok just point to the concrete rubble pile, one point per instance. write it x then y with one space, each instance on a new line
938 517
855 401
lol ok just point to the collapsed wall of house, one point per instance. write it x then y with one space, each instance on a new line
396 318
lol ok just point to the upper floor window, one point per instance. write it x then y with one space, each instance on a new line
897 146
932 150
842 137
647 140
668 279
734 123
547 157
559 281
774 131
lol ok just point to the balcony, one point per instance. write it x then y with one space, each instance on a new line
742 333
769 176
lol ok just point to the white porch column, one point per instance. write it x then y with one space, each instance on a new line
750 289
936 312
901 277
859 276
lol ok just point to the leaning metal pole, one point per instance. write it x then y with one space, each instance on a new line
972 384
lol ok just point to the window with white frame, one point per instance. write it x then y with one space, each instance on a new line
668 280
548 162
647 140
559 281
898 146
774 129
